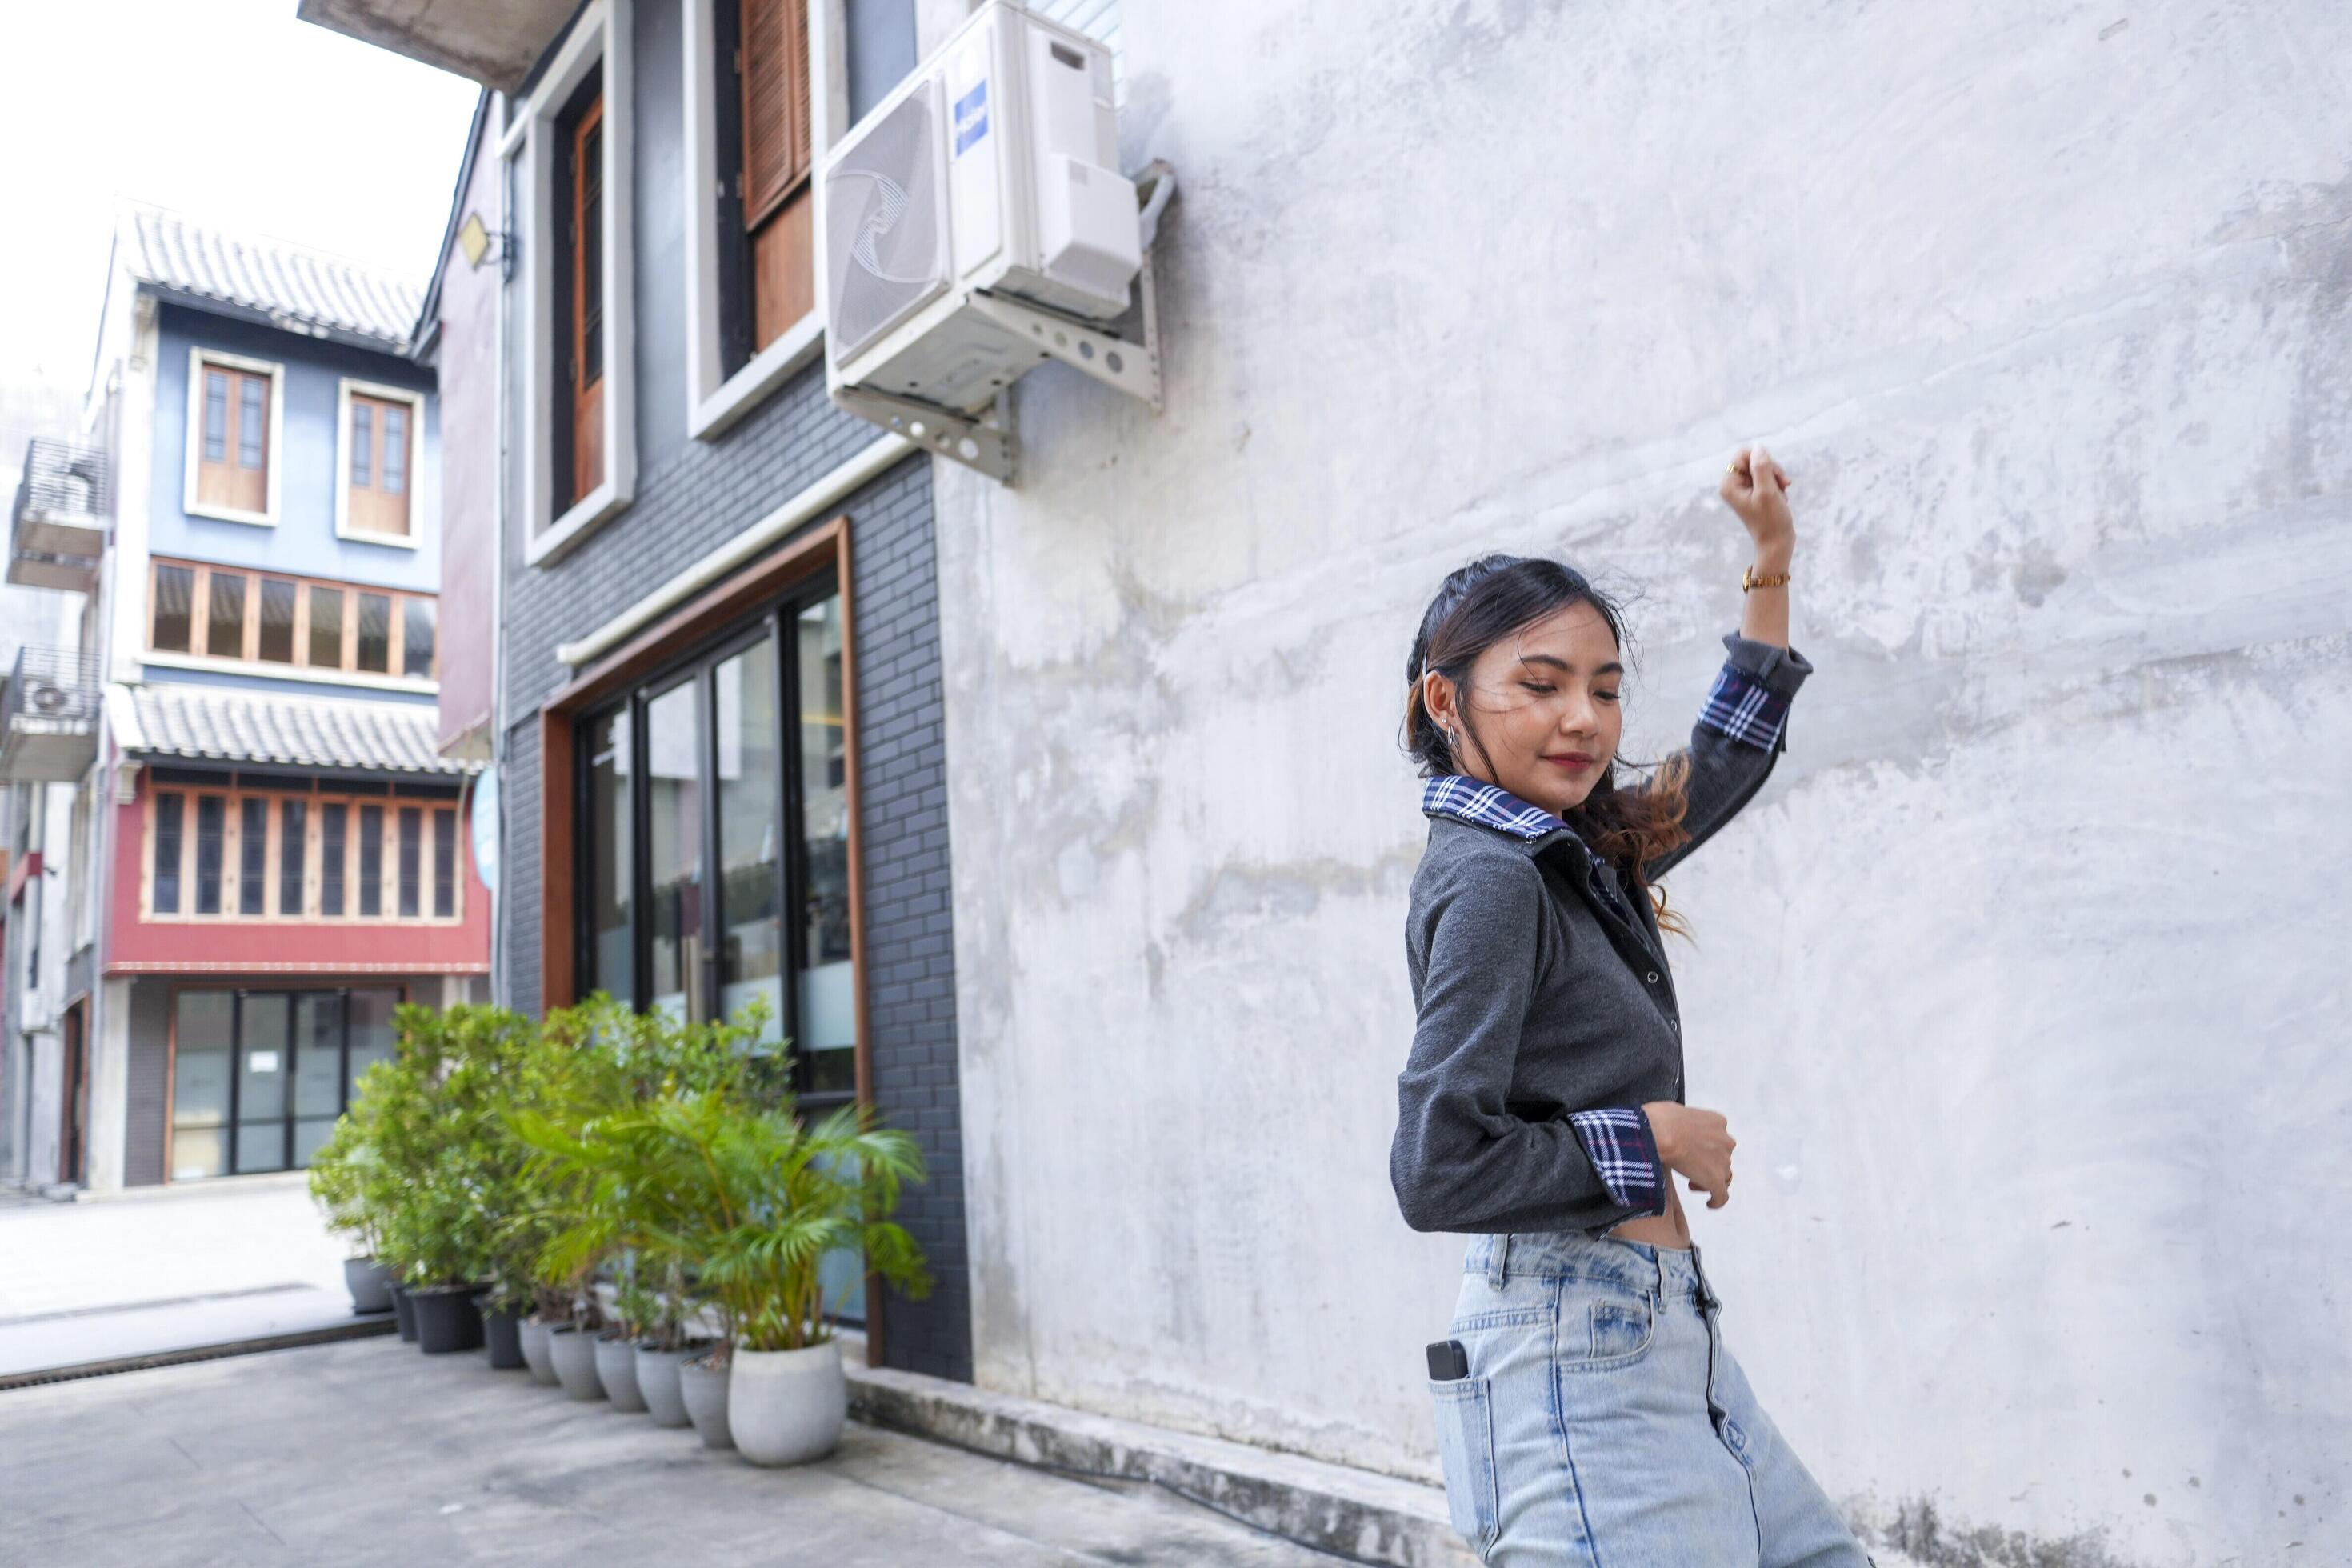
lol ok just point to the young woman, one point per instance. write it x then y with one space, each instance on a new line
1592 1415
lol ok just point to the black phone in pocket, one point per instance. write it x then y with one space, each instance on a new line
1448 1362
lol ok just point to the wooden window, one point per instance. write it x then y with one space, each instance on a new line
222 614
224 617
416 639
584 293
232 466
293 854
212 813
778 212
164 876
445 863
253 856
176 592
371 862
252 853
334 820
275 643
411 861
326 629
375 654
377 498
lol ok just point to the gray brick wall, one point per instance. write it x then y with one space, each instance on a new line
703 494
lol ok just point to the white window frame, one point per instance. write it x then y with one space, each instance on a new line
599 35
276 456
416 401
715 401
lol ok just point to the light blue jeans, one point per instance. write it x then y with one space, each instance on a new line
1603 1423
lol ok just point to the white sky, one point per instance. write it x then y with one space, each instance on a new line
229 110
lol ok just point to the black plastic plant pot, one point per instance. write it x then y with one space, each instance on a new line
447 1320
404 1313
502 1332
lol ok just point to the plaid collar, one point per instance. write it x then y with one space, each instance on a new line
1488 805
1491 805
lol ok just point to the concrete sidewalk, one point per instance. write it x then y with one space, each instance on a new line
368 1453
166 1269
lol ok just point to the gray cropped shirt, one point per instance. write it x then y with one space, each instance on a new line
1545 1011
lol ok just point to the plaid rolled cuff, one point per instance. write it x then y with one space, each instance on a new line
1620 1144
1742 707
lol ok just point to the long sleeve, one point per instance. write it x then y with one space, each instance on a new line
1461 1160
1742 727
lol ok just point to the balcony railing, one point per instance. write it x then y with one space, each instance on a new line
64 508
48 717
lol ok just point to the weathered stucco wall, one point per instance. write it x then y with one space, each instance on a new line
2023 981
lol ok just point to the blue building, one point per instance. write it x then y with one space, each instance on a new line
263 850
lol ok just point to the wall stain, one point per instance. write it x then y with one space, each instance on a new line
1920 1532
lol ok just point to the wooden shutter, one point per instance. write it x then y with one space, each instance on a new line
775 104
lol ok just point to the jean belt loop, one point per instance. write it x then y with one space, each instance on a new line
1498 1256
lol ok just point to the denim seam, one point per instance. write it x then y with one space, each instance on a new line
1559 1425
1519 1318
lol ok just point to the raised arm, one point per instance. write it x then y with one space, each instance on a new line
1742 726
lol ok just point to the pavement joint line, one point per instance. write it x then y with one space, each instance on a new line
358 1329
64 1312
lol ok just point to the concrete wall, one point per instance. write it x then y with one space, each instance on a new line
2021 983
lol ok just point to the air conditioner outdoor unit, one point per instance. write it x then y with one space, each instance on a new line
976 224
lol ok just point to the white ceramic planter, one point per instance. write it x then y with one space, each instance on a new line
704 1389
369 1284
616 1369
575 1361
657 1382
786 1407
536 1354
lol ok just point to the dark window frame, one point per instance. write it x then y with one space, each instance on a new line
776 620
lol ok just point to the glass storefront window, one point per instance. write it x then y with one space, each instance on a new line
204 1031
714 808
750 787
674 849
714 817
828 1021
611 950
259 1077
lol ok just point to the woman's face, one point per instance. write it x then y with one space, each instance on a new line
1543 718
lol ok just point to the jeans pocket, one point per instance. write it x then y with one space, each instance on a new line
1618 1327
1466 1447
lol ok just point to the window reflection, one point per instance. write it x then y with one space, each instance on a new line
828 1041
610 856
674 848
751 781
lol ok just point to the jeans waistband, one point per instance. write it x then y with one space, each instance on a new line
1670 1272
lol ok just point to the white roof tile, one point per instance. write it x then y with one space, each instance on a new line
290 284
235 725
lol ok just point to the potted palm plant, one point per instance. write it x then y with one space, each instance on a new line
792 1196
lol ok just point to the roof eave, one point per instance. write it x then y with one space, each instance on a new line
317 331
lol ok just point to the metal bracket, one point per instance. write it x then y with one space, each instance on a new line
1120 362
967 440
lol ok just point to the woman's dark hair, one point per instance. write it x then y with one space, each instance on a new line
1494 599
